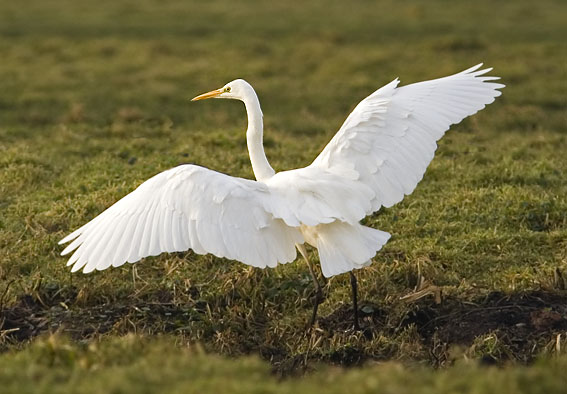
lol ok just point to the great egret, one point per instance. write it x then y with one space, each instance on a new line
378 155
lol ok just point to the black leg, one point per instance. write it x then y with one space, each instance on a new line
318 300
318 293
318 290
354 286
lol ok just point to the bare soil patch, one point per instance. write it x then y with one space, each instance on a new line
523 324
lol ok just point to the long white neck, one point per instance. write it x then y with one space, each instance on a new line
254 138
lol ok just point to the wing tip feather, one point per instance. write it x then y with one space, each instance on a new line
69 238
472 69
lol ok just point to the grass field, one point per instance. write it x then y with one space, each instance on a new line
94 100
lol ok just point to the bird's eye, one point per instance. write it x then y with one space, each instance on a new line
227 89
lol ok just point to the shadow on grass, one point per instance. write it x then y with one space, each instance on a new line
497 328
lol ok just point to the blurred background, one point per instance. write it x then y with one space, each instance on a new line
78 61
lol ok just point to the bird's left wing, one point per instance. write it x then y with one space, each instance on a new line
390 137
186 207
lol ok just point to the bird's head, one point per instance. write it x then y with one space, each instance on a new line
237 89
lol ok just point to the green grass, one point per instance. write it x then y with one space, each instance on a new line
94 100
135 364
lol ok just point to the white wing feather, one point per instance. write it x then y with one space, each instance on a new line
390 137
186 207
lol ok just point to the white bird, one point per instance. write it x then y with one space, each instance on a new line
378 156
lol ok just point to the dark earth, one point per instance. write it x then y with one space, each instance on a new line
522 322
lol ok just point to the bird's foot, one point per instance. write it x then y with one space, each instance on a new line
356 326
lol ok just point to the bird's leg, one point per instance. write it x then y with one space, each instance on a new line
318 290
354 286
318 294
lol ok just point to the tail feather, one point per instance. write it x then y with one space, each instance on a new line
344 247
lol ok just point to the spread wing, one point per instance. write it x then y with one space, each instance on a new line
186 207
390 137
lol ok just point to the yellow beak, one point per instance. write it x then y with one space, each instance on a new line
211 94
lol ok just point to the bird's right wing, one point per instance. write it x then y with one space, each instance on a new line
186 207
390 137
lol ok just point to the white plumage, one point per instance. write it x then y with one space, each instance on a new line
379 155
